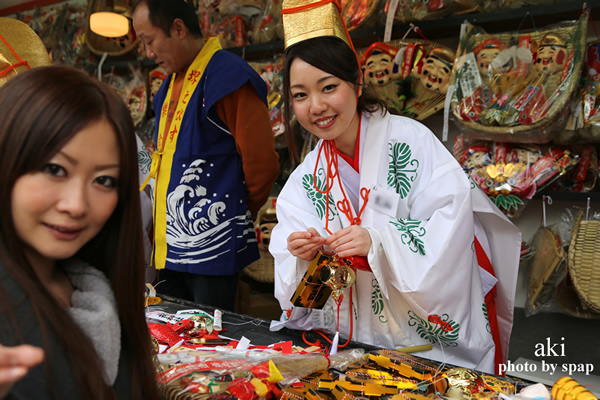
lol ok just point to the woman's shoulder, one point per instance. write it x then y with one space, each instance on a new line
9 286
397 121
409 124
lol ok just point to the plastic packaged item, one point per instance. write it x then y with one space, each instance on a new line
234 371
228 20
583 124
516 87
268 27
419 10
584 176
361 14
272 74
133 90
510 174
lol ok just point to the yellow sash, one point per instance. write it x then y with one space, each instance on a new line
162 158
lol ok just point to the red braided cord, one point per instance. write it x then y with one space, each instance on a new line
20 63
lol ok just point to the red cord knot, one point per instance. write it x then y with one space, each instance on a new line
446 327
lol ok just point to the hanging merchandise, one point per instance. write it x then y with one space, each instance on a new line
461 7
228 20
562 273
272 73
584 176
43 21
156 77
516 87
510 174
584 262
411 75
514 4
62 30
132 89
547 270
268 27
418 10
146 133
583 124
74 49
361 14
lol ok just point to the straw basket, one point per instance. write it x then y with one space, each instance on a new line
569 302
584 261
545 271
111 46
516 102
263 269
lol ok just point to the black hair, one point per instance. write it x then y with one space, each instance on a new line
162 13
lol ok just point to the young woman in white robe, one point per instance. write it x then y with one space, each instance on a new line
401 201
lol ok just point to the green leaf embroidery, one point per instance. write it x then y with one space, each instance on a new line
402 169
411 231
506 202
377 301
316 196
436 329
472 181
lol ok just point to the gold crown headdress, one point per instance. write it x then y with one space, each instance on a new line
307 19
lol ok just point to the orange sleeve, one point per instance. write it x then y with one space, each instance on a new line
247 117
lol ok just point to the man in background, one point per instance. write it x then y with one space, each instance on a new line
215 159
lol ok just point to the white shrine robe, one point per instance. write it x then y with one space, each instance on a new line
422 215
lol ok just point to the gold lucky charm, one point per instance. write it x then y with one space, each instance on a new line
338 275
326 276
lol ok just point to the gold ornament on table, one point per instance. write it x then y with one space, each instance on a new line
466 384
202 326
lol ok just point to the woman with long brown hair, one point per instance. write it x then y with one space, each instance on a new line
71 250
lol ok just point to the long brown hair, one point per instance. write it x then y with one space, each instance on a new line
40 111
332 55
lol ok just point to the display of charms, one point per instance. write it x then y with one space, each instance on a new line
517 80
411 76
511 174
